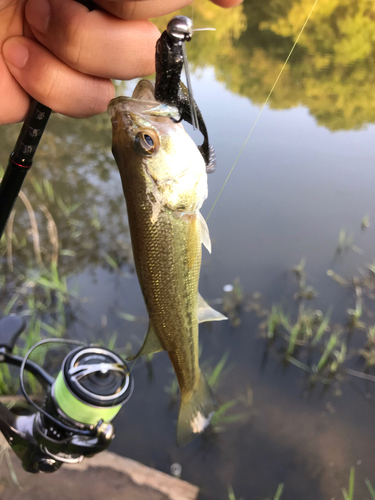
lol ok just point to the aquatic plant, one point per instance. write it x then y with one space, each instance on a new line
365 222
231 495
225 413
279 491
309 339
36 289
232 301
348 494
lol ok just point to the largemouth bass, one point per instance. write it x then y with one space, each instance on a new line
165 183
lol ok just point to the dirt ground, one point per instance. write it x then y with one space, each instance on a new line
106 476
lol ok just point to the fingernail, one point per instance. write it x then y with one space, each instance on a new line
15 53
38 13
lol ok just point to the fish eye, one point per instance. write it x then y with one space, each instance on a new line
146 142
149 140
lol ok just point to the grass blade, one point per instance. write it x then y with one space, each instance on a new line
370 488
327 352
349 495
214 378
322 328
279 492
293 338
231 495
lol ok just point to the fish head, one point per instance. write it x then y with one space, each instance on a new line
154 145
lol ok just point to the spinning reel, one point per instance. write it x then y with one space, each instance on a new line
74 420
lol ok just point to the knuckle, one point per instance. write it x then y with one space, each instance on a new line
49 86
74 45
96 97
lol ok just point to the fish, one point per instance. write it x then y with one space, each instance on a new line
164 181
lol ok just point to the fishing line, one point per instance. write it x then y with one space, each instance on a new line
264 105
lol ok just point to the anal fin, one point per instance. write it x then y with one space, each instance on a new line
206 312
150 345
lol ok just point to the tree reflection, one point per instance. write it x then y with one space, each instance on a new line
331 71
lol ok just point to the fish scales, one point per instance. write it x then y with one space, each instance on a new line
168 282
165 183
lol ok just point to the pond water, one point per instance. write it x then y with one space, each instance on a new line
306 173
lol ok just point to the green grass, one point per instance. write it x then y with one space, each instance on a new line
279 492
348 494
346 242
322 328
40 287
228 412
310 340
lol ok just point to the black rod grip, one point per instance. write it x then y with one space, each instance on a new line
21 158
30 135
9 190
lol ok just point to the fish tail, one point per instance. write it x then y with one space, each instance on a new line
195 412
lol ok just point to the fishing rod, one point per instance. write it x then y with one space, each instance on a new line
21 158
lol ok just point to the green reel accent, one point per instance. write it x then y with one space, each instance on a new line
79 411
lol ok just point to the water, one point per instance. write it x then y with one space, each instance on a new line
306 173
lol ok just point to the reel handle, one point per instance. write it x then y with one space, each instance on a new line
11 328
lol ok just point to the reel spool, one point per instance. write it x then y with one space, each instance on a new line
92 385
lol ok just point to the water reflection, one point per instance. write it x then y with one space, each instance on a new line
331 71
74 177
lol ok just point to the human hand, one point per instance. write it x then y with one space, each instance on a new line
64 56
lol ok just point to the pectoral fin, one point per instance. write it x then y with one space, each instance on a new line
150 345
205 235
207 313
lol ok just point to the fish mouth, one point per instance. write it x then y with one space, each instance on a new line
143 103
145 91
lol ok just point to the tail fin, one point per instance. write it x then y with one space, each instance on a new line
195 412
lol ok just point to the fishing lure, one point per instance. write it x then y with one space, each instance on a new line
170 58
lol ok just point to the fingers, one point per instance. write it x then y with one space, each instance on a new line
142 9
54 84
227 3
96 42
14 102
145 9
